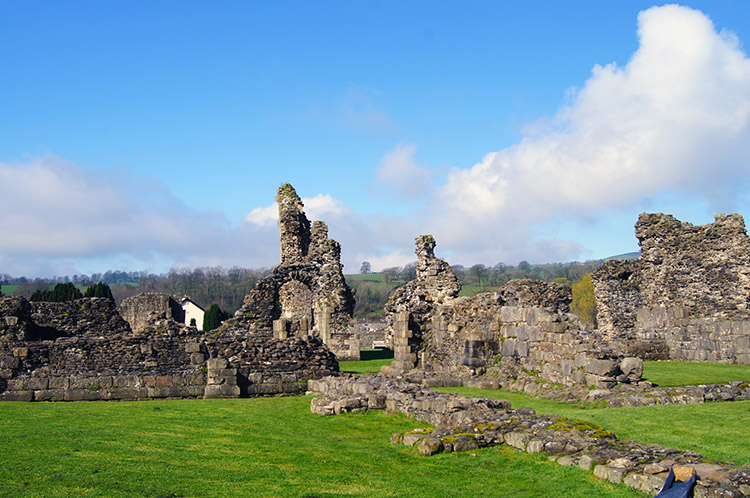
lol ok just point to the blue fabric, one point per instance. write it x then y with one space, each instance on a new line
676 489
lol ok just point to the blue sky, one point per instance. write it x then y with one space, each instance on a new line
147 135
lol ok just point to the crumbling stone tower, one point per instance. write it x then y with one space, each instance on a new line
410 308
306 294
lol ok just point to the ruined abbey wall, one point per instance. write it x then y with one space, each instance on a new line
84 350
306 294
286 333
686 297
522 333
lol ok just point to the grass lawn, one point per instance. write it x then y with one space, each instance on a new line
682 373
365 277
8 290
252 447
371 361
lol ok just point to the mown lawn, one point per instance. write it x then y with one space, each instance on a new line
252 447
682 373
371 361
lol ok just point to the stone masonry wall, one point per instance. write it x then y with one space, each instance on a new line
88 352
142 309
686 297
524 330
306 294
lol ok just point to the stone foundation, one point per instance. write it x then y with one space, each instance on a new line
467 424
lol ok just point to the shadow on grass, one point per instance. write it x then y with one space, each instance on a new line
375 354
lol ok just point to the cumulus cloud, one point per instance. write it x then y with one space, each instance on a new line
55 214
399 173
674 119
376 238
320 207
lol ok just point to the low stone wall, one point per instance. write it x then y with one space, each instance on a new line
104 387
464 424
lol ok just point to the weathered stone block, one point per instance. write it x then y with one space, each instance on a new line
192 347
17 396
21 352
49 395
430 446
36 383
59 383
217 363
602 368
516 440
221 391
632 368
611 474
82 395
9 362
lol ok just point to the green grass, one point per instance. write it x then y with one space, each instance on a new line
252 447
8 290
365 277
681 373
717 430
371 361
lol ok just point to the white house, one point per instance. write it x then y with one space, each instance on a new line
192 311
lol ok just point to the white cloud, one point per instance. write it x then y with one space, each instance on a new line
319 207
675 118
378 239
57 216
398 172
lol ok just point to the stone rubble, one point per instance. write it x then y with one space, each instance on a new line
466 424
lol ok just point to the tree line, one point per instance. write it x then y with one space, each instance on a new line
227 287
373 289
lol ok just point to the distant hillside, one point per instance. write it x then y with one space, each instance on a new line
627 256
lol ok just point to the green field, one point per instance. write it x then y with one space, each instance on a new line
681 373
371 361
8 290
265 447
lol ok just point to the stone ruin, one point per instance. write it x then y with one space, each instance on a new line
141 310
87 349
306 295
685 298
522 334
